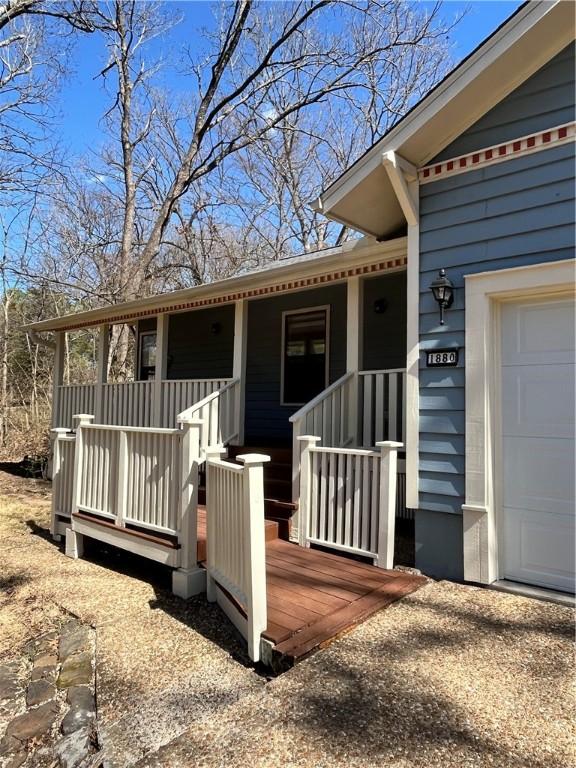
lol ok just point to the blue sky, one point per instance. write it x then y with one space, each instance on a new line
83 100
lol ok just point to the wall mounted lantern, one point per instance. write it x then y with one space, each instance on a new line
443 291
215 328
380 306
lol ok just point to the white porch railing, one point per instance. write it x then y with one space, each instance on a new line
129 404
134 487
72 399
348 499
132 404
330 415
219 414
382 405
235 541
180 394
62 480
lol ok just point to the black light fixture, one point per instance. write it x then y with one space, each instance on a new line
380 306
215 328
443 291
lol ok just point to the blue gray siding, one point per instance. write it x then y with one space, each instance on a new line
266 419
384 335
543 101
512 214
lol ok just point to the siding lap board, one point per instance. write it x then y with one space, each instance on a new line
512 214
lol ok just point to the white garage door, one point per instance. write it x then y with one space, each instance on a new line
537 521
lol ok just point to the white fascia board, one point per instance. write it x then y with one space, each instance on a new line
351 253
460 79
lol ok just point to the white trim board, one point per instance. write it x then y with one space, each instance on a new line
484 293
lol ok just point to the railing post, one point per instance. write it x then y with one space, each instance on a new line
74 540
212 452
253 506
56 478
161 368
189 579
239 365
387 503
122 482
306 442
101 372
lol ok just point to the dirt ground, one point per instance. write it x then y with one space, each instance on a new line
451 676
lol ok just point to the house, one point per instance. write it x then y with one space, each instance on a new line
343 369
481 172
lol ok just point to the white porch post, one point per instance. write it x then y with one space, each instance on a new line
353 352
239 363
161 367
387 502
101 371
58 378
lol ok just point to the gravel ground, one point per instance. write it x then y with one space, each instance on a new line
450 676
160 663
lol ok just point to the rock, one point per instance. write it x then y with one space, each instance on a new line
46 660
44 673
73 749
33 723
82 709
39 691
39 646
76 670
9 744
17 760
74 639
10 683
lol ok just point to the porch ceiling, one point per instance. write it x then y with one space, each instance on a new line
357 257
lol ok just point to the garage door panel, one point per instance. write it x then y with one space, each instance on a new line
540 474
538 401
538 455
539 550
535 329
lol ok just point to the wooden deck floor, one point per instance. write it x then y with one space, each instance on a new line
315 596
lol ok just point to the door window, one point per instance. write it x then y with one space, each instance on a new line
147 356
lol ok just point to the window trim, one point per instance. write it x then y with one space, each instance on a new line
322 308
141 335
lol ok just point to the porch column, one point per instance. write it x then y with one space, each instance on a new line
57 377
161 367
239 363
101 371
353 350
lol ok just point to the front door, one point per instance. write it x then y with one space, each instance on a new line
304 355
538 457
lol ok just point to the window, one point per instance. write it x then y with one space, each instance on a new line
304 355
147 355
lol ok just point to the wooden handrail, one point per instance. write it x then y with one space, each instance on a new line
208 399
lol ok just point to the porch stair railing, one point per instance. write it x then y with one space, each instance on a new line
219 414
329 416
348 499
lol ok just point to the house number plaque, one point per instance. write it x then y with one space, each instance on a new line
441 357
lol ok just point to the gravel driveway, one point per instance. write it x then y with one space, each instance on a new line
450 676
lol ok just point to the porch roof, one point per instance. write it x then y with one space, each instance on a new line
363 196
308 270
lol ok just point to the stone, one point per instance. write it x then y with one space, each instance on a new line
46 660
11 685
41 645
82 711
33 723
39 691
74 639
76 670
17 760
9 744
44 673
73 749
